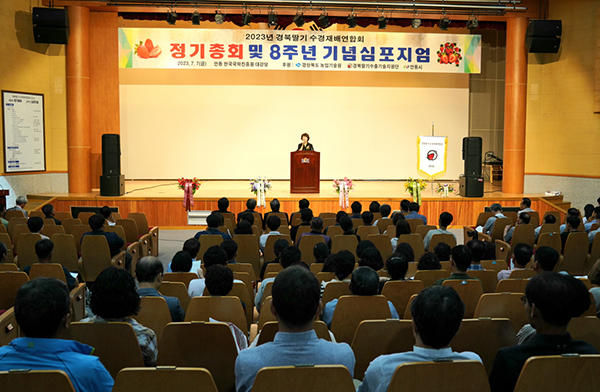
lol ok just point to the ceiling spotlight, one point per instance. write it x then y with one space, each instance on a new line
196 18
415 23
171 17
246 18
299 19
472 23
382 22
272 18
219 17
324 20
351 21
444 23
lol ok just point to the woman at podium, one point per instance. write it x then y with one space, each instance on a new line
305 145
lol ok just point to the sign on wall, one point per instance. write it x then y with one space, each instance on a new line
24 134
432 153
298 50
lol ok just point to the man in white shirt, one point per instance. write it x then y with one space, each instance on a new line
437 313
213 255
496 208
444 221
521 256
525 206
273 223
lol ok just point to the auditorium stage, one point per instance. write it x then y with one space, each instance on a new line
162 201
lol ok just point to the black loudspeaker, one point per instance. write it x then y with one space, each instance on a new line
470 186
472 156
112 185
111 154
50 26
543 36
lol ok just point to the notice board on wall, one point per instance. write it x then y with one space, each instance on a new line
24 132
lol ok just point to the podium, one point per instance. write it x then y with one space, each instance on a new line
305 172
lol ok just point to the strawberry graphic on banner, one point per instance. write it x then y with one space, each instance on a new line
431 154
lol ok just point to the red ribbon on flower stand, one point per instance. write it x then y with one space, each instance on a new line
188 196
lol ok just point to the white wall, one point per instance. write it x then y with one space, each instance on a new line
242 132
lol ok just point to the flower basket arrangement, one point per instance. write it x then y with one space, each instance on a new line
444 189
414 187
259 187
189 187
343 188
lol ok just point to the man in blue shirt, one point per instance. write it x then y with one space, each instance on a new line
414 213
296 304
149 273
213 221
437 313
42 310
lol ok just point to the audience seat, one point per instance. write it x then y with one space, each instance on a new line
399 292
522 274
560 373
385 224
154 314
49 231
382 243
132 235
485 337
268 252
78 232
556 215
301 230
503 252
62 215
380 337
115 343
356 222
95 257
10 283
248 251
270 328
524 234
424 229
35 380
8 267
327 222
230 226
183 277
65 251
503 305
428 277
16 236
208 240
201 345
36 213
500 228
223 309
438 238
14 214
273 267
266 315
77 296
417 376
494 265
575 254
307 245
351 310
243 267
586 328
160 379
333 231
315 268
594 253
446 265
512 286
416 242
334 290
327 215
70 223
469 290
325 276
176 289
8 327
414 223
142 224
483 217
550 239
257 230
49 222
344 242
5 239
364 231
302 378
534 218
245 295
133 248
84 217
12 222
50 270
407 314
488 278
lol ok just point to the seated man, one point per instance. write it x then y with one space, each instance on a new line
521 256
106 212
437 314
496 208
404 207
414 213
42 310
302 204
385 210
3 215
356 208
306 215
192 246
278 247
572 227
44 249
115 243
594 219
115 298
348 227
213 221
275 207
460 261
20 204
296 304
250 206
374 206
48 211
524 219
477 252
342 267
338 216
367 218
551 300
525 206
213 255
365 282
289 256
149 273
222 205
273 223
35 224
316 228
548 219
545 259
444 221
570 212
231 248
